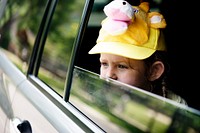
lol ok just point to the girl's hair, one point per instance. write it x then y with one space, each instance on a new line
159 86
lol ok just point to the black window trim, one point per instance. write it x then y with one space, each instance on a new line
82 27
36 55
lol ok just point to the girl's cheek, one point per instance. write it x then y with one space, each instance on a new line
102 72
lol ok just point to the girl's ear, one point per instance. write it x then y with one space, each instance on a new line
156 70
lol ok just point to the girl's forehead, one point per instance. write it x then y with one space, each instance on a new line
117 58
112 57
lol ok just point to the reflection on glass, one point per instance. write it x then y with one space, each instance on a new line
18 29
120 108
58 47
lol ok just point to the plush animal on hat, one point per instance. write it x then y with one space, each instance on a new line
120 15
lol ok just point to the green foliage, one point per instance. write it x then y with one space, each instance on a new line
27 15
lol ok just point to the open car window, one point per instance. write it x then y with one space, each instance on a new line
117 107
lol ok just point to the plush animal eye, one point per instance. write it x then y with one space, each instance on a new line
135 10
124 3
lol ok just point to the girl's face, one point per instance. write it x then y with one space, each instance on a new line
123 69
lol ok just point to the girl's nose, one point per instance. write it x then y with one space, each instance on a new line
111 74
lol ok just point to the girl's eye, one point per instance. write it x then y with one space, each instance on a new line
104 64
122 66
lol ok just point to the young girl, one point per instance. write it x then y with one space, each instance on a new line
137 55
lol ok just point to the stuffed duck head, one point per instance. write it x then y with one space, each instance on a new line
120 15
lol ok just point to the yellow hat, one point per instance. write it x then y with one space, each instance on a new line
123 45
127 45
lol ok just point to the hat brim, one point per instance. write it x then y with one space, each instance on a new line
121 49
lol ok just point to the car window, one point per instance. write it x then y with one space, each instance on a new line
58 46
19 27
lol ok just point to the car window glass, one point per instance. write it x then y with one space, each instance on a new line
118 107
59 43
19 27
